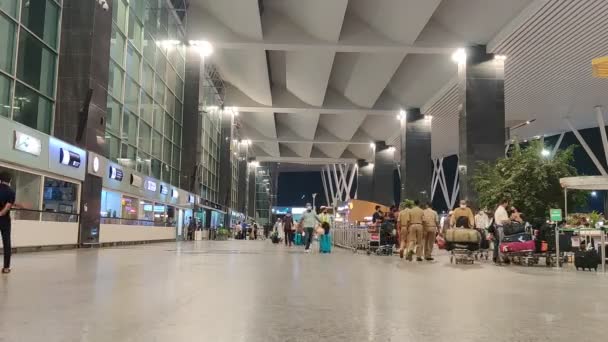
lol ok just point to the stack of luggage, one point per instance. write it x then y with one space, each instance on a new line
516 239
462 238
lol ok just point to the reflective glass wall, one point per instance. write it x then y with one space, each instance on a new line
145 89
29 45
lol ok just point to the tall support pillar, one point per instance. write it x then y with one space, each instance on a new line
384 167
83 72
482 114
365 180
191 132
251 190
415 162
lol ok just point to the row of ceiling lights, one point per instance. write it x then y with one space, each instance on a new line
460 56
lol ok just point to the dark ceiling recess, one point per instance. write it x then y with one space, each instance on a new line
180 7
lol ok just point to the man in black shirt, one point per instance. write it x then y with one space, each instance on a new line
378 215
7 200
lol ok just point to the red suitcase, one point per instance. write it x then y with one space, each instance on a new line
507 247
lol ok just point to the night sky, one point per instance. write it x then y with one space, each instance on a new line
296 189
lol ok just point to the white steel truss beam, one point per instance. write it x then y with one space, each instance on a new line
590 153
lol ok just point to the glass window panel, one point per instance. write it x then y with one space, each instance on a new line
148 79
129 128
27 192
149 49
170 105
176 156
168 126
119 12
166 174
164 19
36 64
178 111
32 109
5 96
146 109
113 116
115 81
138 6
10 7
127 156
131 95
7 37
179 88
60 196
151 19
155 167
117 46
167 147
159 94
158 118
177 134
133 63
144 137
143 163
161 65
112 147
42 18
135 32
175 177
157 141
171 75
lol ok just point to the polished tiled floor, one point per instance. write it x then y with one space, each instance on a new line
256 291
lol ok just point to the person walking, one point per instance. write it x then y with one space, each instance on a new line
401 228
308 221
430 223
7 201
288 228
501 217
413 221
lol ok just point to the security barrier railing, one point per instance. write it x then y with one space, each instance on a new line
350 236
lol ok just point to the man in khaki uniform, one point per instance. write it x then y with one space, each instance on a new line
402 226
414 220
430 222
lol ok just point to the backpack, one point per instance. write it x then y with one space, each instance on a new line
463 222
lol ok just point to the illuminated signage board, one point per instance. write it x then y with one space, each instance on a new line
191 199
27 143
116 174
164 190
69 158
174 193
151 186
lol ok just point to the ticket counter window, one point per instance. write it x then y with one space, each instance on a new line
160 213
146 210
59 196
110 204
27 193
130 208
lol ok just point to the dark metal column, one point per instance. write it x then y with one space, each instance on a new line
191 131
482 114
82 95
225 174
383 173
416 165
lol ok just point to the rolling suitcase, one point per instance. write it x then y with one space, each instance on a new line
325 243
586 260
525 246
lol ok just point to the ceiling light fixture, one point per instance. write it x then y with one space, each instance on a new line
372 145
391 149
500 57
402 115
545 152
203 47
459 56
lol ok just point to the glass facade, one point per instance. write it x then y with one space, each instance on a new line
263 192
29 44
210 136
146 87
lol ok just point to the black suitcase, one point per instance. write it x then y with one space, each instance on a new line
520 237
513 228
586 260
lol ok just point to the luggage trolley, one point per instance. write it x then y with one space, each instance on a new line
380 239
463 249
462 254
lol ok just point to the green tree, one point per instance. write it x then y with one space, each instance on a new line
529 179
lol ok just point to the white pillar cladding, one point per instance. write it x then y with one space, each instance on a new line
337 183
557 144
